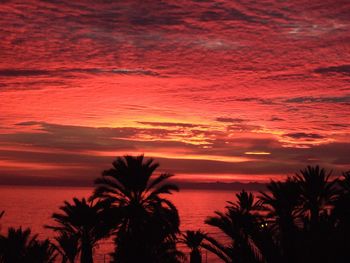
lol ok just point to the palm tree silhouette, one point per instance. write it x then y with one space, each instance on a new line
150 222
345 183
20 247
41 251
341 214
342 203
193 240
86 221
282 202
1 215
67 246
316 192
240 224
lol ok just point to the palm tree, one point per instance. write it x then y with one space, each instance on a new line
282 202
41 251
19 246
149 221
345 183
317 195
193 240
1 214
317 192
86 221
342 202
240 224
67 246
341 214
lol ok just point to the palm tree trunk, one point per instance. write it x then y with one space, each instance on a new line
288 232
314 217
86 252
195 256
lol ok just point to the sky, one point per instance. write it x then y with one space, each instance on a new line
213 90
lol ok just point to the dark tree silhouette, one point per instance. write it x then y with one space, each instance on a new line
317 192
281 201
67 246
240 224
1 215
193 240
341 215
342 203
150 222
20 247
303 219
86 221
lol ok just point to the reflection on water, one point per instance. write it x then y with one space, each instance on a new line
32 207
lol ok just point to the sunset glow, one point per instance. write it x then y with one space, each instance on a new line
214 90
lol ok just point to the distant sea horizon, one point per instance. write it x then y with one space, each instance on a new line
218 185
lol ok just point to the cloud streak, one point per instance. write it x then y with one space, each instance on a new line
83 152
58 72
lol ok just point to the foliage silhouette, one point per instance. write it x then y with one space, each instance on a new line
341 217
20 247
316 192
239 223
281 202
1 215
149 222
193 240
304 219
89 222
67 246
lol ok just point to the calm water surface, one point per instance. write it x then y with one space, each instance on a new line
33 206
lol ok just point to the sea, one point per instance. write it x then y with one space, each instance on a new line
29 206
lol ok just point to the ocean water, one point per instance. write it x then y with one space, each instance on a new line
33 206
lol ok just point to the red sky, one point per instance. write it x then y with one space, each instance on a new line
214 90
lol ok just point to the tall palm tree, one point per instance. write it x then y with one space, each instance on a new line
193 240
282 202
149 220
87 221
317 195
19 246
240 224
